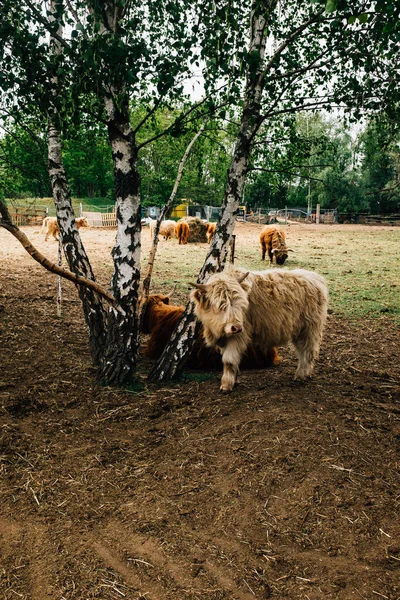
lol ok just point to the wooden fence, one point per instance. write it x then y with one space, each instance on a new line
27 217
109 220
97 219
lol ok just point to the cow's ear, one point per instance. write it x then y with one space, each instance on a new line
242 277
201 287
196 295
165 300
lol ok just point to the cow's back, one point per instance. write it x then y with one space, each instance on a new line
278 238
281 302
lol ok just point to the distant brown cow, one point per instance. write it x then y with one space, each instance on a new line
240 308
182 232
159 321
50 226
273 241
211 227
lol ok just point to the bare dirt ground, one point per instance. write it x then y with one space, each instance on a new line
278 490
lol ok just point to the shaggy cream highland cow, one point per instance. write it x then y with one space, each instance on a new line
266 308
50 226
167 229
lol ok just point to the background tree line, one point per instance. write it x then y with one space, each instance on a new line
310 157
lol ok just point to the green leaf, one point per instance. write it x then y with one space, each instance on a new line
352 19
363 18
330 6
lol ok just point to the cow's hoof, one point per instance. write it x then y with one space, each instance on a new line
225 390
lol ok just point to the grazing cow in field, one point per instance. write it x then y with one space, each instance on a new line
167 229
211 227
50 226
182 232
160 319
273 241
266 308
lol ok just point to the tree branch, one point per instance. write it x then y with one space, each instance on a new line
167 206
310 106
308 67
47 25
7 224
76 17
289 39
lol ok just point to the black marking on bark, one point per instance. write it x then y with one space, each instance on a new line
118 155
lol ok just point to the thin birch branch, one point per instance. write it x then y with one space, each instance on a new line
47 25
289 39
165 209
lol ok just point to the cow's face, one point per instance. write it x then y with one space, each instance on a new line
221 306
152 303
281 256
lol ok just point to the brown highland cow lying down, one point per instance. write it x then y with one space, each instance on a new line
160 320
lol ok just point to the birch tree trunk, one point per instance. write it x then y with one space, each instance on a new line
71 241
172 360
118 364
122 345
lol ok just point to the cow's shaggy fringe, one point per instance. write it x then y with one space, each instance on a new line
268 308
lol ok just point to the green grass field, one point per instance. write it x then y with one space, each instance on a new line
361 264
88 204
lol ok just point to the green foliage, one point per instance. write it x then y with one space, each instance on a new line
320 158
324 53
379 145
88 164
89 168
204 172
23 160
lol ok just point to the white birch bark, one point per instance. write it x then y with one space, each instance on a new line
120 358
69 235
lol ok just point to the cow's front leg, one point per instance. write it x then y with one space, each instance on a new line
229 377
231 356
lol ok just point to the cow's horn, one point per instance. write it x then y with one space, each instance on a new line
203 287
290 250
242 277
